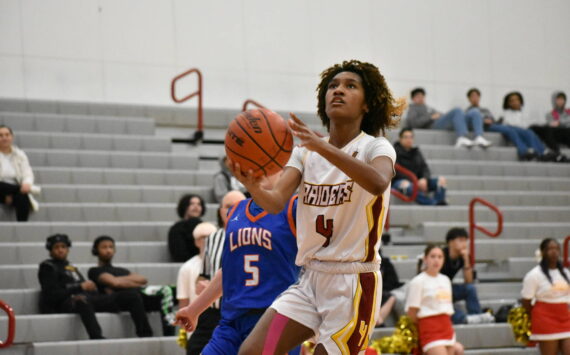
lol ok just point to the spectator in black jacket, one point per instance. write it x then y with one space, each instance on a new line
180 240
64 289
411 158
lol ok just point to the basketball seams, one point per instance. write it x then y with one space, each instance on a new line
260 167
246 141
280 145
254 141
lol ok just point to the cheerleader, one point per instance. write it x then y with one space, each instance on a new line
547 285
429 304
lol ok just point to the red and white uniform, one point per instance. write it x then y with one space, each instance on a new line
339 226
550 317
432 296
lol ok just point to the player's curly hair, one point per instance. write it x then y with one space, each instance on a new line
384 110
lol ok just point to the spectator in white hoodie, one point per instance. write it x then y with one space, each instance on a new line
16 177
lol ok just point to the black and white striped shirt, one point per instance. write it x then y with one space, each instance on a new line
213 256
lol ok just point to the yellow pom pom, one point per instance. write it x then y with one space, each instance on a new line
403 341
520 322
182 339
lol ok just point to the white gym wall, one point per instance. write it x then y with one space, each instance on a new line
128 50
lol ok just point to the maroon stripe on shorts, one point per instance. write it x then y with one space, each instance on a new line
373 234
368 283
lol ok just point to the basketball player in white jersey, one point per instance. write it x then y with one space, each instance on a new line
344 189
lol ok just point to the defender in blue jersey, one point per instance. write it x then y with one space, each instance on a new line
258 263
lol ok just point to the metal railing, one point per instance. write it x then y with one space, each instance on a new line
413 180
199 134
566 244
252 102
473 226
11 325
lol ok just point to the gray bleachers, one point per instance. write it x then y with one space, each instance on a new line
113 212
62 327
108 142
119 176
127 252
72 193
113 159
85 231
26 275
76 123
105 169
435 231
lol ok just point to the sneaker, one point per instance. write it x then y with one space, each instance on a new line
463 142
483 318
482 142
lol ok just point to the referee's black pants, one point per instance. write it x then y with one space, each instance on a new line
207 322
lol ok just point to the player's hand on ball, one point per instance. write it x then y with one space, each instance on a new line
309 139
246 178
186 318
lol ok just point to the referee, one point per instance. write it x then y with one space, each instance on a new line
212 262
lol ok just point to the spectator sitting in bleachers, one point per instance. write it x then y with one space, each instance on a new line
189 272
513 114
457 258
16 177
529 146
412 159
548 285
64 290
116 280
180 241
224 181
420 115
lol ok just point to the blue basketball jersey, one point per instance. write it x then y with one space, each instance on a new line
258 259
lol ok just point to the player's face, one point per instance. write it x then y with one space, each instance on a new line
106 250
345 97
434 260
474 99
6 138
194 208
59 251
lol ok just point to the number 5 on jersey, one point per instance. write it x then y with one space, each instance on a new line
324 228
251 269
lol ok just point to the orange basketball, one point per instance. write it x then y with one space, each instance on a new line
259 140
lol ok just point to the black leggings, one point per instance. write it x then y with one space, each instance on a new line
20 201
553 137
87 305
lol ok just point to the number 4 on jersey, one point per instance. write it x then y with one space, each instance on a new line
324 228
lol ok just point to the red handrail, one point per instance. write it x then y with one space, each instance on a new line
473 226
566 243
253 102
414 181
200 124
11 325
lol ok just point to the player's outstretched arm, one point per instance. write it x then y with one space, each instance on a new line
271 200
187 317
374 177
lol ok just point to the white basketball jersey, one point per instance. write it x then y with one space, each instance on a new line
337 219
